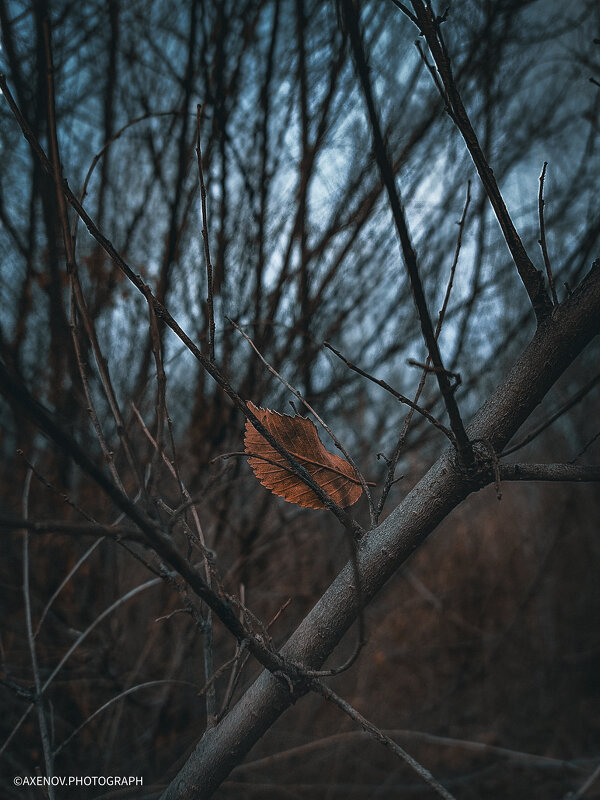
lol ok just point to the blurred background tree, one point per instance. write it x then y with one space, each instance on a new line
487 639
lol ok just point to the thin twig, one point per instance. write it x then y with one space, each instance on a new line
405 10
84 634
586 447
209 266
209 568
116 532
161 379
64 582
177 512
402 398
64 497
91 408
115 699
104 374
305 751
198 537
39 701
376 733
426 367
16 728
591 780
240 658
431 69
239 661
457 249
542 240
562 410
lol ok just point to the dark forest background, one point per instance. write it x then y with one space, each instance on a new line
483 652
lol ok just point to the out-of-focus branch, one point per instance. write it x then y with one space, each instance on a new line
209 266
76 289
562 410
39 700
118 532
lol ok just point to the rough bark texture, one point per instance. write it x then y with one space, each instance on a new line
556 343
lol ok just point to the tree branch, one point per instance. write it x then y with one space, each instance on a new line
549 472
533 280
554 346
119 532
547 423
542 242
381 737
380 151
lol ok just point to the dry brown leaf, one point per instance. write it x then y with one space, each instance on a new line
300 438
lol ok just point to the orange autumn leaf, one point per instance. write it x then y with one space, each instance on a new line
300 438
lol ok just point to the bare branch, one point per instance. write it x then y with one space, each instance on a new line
384 385
542 241
380 736
405 10
561 411
117 532
209 266
479 748
463 446
591 780
39 700
115 699
550 472
393 461
532 279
